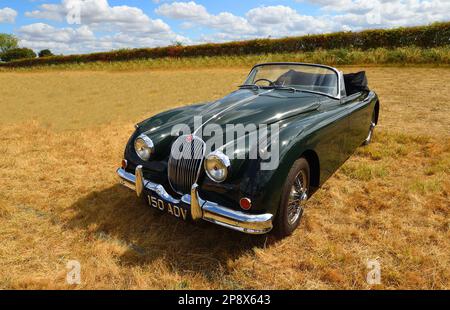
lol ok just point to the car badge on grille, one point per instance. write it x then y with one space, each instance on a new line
189 138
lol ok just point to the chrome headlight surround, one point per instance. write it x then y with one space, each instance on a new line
217 166
143 146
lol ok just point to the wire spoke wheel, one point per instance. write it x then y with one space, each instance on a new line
298 194
294 193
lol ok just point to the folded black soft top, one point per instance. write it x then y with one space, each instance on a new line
355 82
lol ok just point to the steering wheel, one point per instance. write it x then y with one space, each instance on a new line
265 80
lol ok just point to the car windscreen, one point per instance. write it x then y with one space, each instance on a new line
301 77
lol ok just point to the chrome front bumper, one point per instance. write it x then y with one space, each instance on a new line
201 209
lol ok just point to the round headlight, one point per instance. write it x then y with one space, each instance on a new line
216 166
143 146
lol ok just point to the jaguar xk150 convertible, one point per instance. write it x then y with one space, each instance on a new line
317 116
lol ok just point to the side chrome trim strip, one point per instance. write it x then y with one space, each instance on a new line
206 210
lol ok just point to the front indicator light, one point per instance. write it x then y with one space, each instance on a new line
245 203
124 164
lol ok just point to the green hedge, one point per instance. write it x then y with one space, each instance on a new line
17 53
434 35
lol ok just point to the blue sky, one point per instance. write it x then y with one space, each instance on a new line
98 25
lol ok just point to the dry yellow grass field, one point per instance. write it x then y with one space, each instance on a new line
62 136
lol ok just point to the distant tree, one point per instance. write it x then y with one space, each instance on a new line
178 43
45 53
7 42
17 53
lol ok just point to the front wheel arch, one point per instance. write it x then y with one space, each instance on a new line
269 191
313 160
282 222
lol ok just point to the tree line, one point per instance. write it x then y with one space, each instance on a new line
436 35
10 50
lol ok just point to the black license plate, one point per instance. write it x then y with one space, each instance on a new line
176 210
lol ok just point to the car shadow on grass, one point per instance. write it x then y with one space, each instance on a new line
116 215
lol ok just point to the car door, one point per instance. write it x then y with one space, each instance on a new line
331 139
359 116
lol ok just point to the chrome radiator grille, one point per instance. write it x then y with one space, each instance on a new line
185 163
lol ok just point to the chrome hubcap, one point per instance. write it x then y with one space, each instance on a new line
298 194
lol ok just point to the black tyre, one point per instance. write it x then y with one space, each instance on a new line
293 195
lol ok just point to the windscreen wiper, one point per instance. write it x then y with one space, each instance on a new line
292 89
253 86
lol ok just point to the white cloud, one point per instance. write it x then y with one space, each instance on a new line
197 14
47 11
264 21
120 27
105 27
7 15
40 36
41 31
270 15
281 20
184 10
360 14
98 14
284 21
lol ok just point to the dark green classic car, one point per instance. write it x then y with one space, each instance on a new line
250 160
